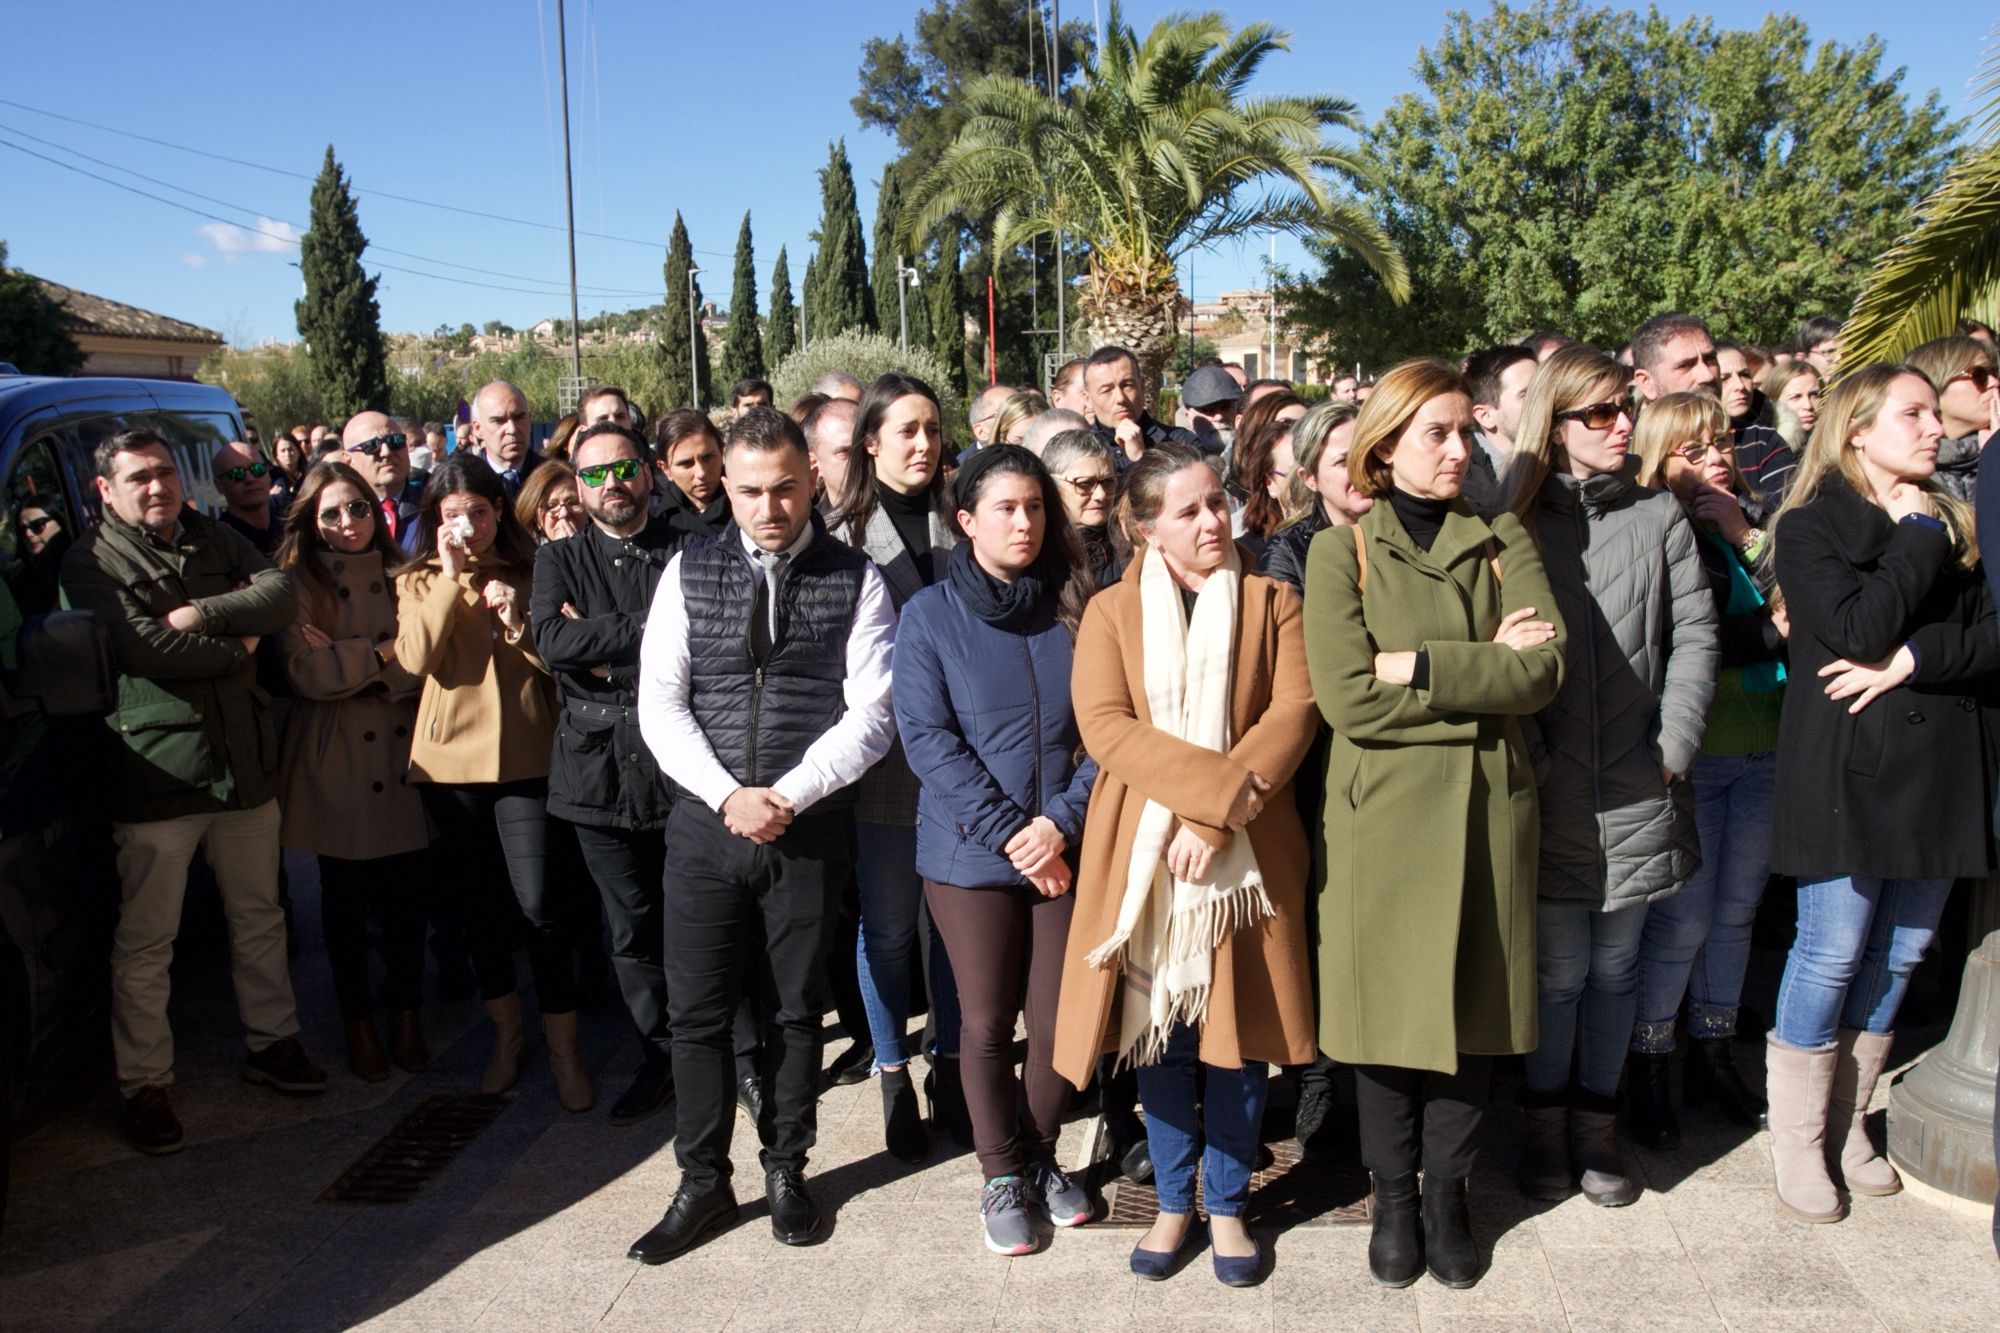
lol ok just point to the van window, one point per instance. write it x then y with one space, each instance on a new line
195 436
34 486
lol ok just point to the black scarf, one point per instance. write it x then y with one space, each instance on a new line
1014 606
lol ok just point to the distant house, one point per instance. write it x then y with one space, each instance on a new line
542 330
120 339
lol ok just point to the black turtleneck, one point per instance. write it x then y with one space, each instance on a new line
1421 518
910 515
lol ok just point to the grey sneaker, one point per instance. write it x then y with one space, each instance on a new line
1004 1206
1067 1203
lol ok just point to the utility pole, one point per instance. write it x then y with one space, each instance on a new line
1055 95
1271 296
694 332
569 199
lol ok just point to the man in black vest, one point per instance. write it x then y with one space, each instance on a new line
764 694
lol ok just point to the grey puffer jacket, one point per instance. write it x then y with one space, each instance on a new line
1638 679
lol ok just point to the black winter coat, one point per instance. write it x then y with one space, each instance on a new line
1284 555
1903 789
687 523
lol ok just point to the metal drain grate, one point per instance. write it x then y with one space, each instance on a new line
1290 1192
411 1155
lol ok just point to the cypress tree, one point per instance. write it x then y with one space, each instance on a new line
888 210
809 327
845 300
948 311
677 387
338 316
742 347
781 327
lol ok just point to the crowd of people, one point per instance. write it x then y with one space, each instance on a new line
1460 716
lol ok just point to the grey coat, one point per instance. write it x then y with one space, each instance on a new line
1639 675
889 790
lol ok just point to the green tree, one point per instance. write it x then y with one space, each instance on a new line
948 313
888 213
807 329
34 336
683 364
742 345
1181 363
865 356
1584 168
842 298
781 327
338 316
276 386
1193 160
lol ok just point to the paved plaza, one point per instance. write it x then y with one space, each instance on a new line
527 1228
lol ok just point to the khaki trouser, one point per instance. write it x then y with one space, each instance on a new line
153 857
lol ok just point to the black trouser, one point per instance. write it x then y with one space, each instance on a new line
493 835
1393 1103
388 890
741 915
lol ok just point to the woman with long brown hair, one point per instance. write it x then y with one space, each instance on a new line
1261 465
346 760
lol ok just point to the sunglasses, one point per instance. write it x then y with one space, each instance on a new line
1089 486
354 509
239 473
1982 378
373 448
1594 416
33 526
1696 451
624 469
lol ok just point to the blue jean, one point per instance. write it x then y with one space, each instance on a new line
1697 942
891 891
1859 939
1587 987
1232 1113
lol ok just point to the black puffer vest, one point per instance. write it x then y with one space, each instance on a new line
760 720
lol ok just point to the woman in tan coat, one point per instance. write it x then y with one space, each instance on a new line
485 726
346 795
1188 945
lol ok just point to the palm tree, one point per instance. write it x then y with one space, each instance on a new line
1948 265
1154 153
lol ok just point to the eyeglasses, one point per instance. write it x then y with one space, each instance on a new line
33 526
373 448
1981 377
624 469
239 473
354 509
1594 416
1089 486
1697 451
554 503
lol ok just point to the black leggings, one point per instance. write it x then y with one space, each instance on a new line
1415 1119
491 835
1006 946
389 891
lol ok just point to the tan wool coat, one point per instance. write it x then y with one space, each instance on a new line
346 770
1260 1003
488 711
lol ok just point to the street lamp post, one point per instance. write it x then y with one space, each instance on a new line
694 332
904 273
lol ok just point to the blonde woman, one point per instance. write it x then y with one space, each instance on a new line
1010 423
1615 749
1891 619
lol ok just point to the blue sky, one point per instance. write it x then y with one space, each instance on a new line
706 108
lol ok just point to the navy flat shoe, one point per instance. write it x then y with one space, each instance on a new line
1155 1266
1247 1271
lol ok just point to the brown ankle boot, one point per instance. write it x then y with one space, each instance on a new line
1859 1057
566 1062
364 1052
1800 1087
406 1042
510 1043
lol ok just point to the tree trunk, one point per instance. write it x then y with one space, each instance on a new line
1146 323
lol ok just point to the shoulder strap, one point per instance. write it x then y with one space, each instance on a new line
1493 559
1360 558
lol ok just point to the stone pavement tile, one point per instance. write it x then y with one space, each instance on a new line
1630 1286
1920 1319
1577 1222
937 1296
1905 1255
457 1294
1624 1320
1193 1299
1813 1321
1516 1289
559 1294
86 1292
1708 1214
1717 1159
1780 1276
1320 1286
1438 1319
655 1300
1059 1288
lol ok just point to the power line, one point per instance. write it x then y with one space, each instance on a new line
432 204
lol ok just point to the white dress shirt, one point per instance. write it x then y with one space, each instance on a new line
847 749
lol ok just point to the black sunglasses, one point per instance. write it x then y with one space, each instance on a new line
33 526
373 448
239 473
625 469
354 509
1594 416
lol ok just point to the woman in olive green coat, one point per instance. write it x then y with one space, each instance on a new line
1428 634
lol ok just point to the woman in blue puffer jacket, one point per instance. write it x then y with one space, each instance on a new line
982 704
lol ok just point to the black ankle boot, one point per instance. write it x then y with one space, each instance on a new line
1395 1236
1448 1249
1710 1076
1650 1112
902 1122
947 1098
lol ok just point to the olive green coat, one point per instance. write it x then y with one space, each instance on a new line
1427 916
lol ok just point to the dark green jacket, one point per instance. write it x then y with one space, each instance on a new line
192 733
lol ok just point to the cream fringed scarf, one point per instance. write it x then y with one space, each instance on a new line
1168 929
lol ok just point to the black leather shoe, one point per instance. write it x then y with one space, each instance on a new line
1711 1076
151 1124
652 1088
1448 1249
283 1065
690 1219
851 1066
1136 1161
1395 1234
750 1096
795 1218
1650 1112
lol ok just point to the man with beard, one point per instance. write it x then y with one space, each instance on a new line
1674 353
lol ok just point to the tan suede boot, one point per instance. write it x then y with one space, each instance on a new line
566 1062
1800 1085
1861 1056
503 1071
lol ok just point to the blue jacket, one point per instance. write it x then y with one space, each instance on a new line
987 726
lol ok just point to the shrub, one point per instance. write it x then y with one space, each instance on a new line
866 356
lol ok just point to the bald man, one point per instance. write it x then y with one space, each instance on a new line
502 429
829 443
838 384
244 479
378 447
985 408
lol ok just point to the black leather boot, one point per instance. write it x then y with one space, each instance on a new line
1448 1249
1650 1111
902 1122
1395 1236
1711 1077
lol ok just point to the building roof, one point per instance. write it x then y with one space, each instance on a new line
101 315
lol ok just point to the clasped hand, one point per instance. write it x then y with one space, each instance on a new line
757 813
1865 683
